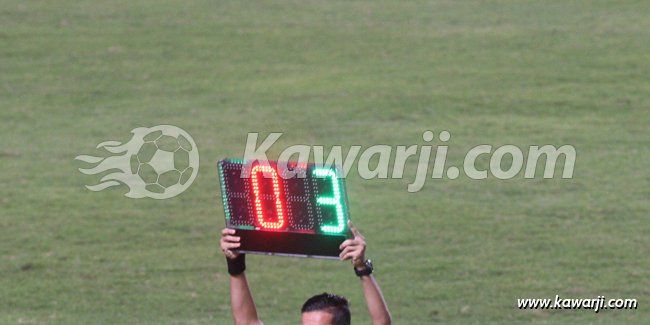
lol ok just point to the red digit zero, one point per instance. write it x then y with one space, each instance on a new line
259 209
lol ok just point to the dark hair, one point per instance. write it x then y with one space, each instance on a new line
334 304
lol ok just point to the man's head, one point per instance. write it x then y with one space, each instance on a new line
326 308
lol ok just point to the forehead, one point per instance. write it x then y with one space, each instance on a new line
317 317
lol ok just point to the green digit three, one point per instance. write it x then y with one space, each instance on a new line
334 200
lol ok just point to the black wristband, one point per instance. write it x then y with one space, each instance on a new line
237 265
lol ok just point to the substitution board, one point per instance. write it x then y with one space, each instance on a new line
285 208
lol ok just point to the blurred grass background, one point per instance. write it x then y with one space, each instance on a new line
75 73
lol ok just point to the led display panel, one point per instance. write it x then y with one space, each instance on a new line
285 208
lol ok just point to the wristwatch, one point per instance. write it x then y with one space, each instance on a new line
366 270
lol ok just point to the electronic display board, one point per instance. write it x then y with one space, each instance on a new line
285 208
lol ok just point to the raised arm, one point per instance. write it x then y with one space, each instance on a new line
375 301
354 250
241 300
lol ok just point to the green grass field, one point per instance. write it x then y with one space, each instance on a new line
76 73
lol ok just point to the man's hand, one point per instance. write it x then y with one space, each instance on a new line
229 242
354 249
241 300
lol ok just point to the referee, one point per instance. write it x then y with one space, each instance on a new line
322 309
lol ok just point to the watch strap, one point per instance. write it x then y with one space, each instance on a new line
367 269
